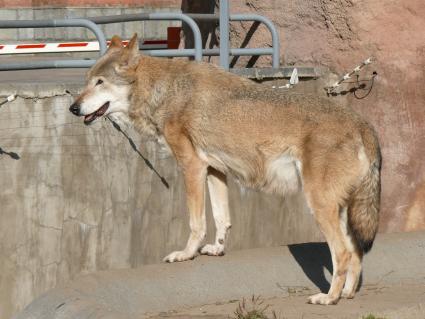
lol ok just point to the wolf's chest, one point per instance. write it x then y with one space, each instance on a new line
280 175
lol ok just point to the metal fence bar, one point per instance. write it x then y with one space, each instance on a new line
171 52
91 23
224 34
249 17
239 51
197 53
52 64
11 24
272 29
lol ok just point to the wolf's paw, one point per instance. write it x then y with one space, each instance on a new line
348 294
322 299
178 256
212 250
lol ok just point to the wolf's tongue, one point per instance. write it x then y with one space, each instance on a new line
102 109
89 118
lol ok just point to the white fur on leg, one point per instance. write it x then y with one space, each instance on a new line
179 256
212 250
354 267
217 186
193 244
322 299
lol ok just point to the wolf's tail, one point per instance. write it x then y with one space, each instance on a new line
363 208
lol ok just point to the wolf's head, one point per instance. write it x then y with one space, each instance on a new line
108 82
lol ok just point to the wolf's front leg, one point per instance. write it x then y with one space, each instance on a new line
217 186
194 171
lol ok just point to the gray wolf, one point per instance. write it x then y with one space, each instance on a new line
218 124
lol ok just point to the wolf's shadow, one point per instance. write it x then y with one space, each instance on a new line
314 258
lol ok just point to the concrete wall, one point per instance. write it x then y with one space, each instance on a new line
77 199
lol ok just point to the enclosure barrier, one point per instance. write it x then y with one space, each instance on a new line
196 52
12 24
224 51
91 23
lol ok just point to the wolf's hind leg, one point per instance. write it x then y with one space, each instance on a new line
194 171
355 263
327 217
353 275
217 186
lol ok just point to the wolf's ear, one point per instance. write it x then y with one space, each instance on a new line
129 58
133 50
116 43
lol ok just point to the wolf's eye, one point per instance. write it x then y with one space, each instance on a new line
99 82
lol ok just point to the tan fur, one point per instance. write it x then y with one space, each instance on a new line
267 139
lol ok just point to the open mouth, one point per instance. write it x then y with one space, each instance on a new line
98 113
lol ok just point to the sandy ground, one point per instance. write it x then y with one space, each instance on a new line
401 302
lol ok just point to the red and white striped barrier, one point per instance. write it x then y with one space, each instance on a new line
72 47
172 42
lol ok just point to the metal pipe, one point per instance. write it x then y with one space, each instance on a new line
90 23
239 51
171 53
204 16
63 64
158 16
85 23
52 64
272 29
249 17
224 34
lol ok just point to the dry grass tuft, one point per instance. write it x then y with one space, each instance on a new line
255 309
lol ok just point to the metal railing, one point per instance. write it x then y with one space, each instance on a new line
13 24
224 51
92 24
196 52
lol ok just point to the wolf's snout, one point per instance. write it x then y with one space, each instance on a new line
75 109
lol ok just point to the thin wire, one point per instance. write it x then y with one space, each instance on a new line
133 145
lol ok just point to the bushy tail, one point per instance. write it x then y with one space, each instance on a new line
363 209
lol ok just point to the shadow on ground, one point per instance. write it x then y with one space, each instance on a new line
314 258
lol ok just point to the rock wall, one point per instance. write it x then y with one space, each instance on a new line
338 35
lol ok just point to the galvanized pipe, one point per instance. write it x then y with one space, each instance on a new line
249 17
10 24
90 23
239 51
272 29
52 64
224 34
85 23
197 54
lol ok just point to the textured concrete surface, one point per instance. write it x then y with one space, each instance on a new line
282 272
79 199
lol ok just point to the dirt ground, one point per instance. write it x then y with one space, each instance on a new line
386 302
